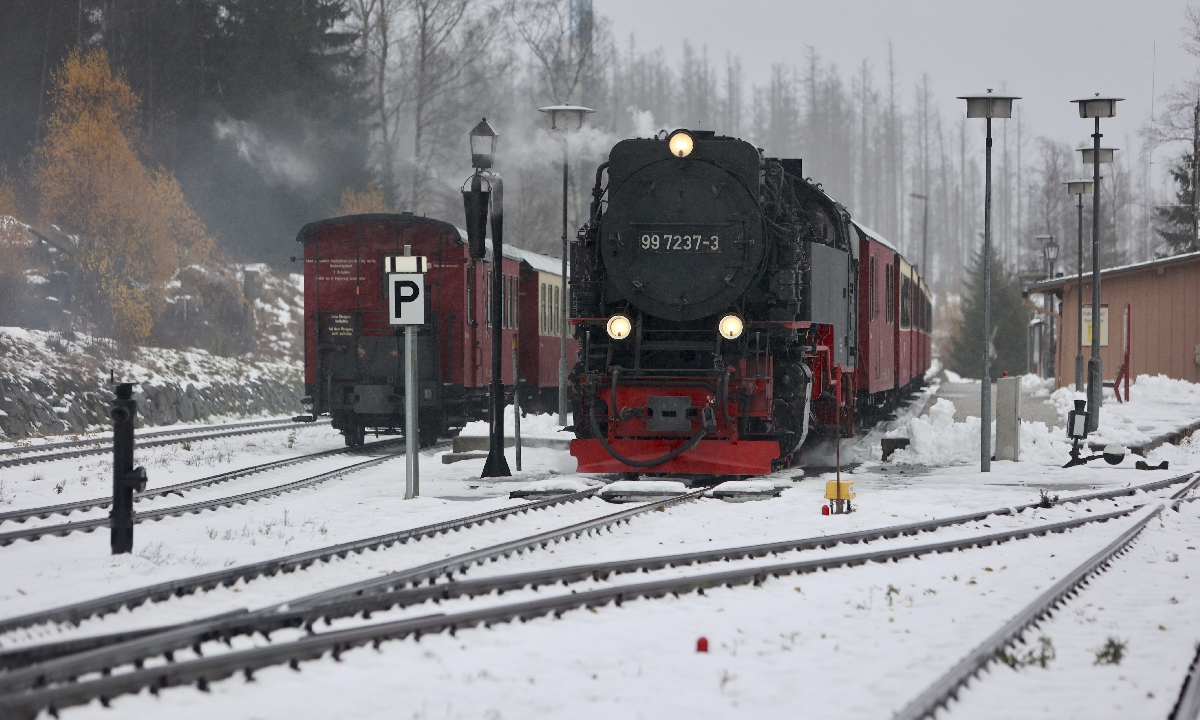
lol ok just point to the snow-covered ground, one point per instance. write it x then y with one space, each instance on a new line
856 642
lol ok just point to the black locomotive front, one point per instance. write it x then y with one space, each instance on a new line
710 285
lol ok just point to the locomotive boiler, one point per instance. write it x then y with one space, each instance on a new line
715 296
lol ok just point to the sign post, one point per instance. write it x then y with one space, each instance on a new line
406 307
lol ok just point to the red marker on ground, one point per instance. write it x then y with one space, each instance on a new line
702 645
824 509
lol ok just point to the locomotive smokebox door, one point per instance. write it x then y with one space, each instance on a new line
669 413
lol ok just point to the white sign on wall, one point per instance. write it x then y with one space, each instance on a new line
406 298
1087 326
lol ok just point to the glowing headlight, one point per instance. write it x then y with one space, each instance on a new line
731 327
618 327
680 143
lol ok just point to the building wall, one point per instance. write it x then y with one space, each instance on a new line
1165 322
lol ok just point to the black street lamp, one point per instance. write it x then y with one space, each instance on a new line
1079 188
561 117
475 202
1096 108
1049 252
988 106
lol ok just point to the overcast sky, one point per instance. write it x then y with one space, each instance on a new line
1047 51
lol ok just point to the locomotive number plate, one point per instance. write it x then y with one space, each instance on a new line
684 239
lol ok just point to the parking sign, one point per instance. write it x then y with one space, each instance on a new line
406 298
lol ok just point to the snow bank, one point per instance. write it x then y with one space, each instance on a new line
540 426
655 486
750 486
59 382
562 484
1158 406
954 377
1035 386
936 440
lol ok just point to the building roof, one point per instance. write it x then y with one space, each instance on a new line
1054 283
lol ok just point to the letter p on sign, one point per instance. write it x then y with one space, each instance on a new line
406 298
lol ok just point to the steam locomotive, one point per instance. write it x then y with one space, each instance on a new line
727 308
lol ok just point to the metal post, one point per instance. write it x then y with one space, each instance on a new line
516 401
126 479
565 313
1095 389
1195 178
497 465
925 242
1079 386
985 399
412 431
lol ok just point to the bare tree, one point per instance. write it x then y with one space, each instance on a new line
560 42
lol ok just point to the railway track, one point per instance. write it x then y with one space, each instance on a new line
28 455
65 509
30 689
946 688
63 529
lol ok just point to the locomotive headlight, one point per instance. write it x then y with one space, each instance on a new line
618 327
731 327
681 143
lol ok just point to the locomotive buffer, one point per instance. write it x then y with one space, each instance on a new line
406 307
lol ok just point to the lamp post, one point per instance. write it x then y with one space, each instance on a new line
1050 253
1079 188
1096 108
475 201
567 113
924 234
988 106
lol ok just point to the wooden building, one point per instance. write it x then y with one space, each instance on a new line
1163 297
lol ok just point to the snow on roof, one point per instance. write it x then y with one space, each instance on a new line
537 261
1171 260
875 236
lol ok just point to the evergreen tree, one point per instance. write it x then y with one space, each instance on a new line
1010 323
1176 222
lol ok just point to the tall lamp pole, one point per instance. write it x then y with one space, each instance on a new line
1050 254
988 106
566 113
924 234
475 201
1079 188
1096 108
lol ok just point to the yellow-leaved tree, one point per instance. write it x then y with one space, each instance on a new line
360 202
134 226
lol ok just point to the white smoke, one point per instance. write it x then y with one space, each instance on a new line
275 161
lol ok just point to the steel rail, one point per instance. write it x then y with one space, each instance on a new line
948 685
63 529
69 455
20 516
202 630
80 611
271 618
26 694
48 447
1187 707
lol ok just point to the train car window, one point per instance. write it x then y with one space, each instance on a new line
871 291
905 303
889 291
557 312
487 313
542 309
